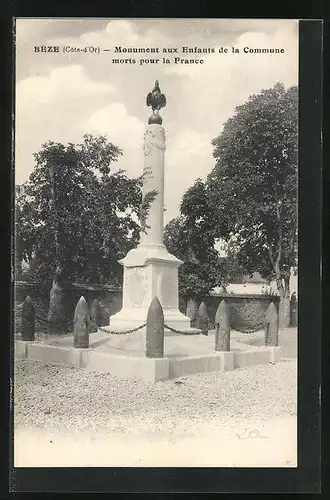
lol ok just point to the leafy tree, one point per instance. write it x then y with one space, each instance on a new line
252 190
235 271
75 219
200 271
23 231
190 237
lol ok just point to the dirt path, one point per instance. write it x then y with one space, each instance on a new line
270 444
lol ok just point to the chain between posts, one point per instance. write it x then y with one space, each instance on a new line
100 328
182 332
142 326
122 333
260 327
257 329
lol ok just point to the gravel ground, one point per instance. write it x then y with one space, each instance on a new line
67 399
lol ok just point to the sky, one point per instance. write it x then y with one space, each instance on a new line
62 96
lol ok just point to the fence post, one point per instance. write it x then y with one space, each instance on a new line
271 329
203 319
28 320
81 323
222 328
155 330
192 311
95 316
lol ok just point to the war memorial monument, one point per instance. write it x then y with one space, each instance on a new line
149 270
149 338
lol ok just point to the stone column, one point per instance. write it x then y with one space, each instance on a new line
149 270
153 180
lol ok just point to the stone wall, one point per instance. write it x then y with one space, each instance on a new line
110 299
247 312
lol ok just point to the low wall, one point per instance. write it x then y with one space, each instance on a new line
110 299
247 312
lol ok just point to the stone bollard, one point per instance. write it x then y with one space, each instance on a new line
95 316
155 330
293 310
59 313
271 330
28 320
192 311
222 328
81 323
203 319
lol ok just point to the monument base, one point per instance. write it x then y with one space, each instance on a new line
150 271
128 319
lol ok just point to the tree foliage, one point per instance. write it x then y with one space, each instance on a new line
235 271
190 237
76 215
249 200
252 190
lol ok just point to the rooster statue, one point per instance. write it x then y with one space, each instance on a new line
156 100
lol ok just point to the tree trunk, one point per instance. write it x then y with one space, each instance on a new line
284 308
60 306
192 311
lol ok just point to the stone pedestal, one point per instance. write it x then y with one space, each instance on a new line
149 270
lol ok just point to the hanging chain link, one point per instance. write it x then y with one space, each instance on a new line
113 332
145 324
261 326
100 328
182 332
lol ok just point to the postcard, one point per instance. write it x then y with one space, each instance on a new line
156 243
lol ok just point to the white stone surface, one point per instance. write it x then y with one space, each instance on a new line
157 278
149 270
153 179
177 361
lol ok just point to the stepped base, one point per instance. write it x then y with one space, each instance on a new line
124 355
